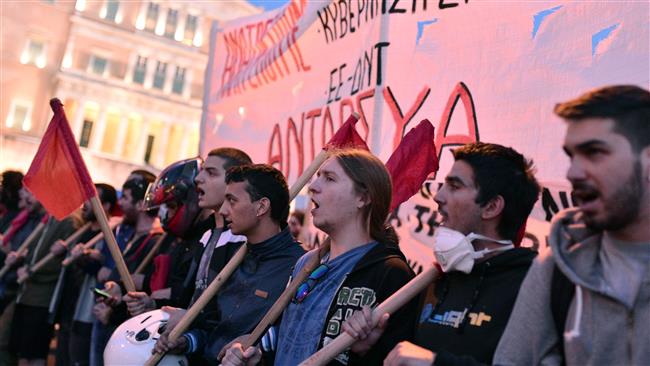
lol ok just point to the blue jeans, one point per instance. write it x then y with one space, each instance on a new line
99 338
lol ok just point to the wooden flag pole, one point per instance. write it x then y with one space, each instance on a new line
125 276
4 248
23 247
202 301
390 305
283 301
2 238
152 253
50 256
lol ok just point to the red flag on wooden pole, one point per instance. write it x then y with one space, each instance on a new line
58 177
413 160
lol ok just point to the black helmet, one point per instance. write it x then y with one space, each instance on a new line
174 194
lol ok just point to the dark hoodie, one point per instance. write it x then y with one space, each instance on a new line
464 325
377 275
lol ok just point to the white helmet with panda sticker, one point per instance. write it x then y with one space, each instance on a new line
133 340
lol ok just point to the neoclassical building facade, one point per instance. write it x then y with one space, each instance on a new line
130 75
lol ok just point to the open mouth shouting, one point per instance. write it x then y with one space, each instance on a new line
200 192
316 206
443 216
586 197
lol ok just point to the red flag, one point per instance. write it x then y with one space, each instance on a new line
412 162
347 136
58 177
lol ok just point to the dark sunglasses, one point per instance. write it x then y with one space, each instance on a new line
305 288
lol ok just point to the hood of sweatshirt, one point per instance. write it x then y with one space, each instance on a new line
576 251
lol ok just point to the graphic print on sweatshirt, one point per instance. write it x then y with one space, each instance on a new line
453 318
348 300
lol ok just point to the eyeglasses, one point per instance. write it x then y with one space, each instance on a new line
305 288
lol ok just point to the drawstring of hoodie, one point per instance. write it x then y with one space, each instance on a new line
445 289
461 326
575 329
444 281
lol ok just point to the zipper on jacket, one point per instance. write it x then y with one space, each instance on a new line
336 295
630 335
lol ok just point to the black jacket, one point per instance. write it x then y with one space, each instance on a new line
463 322
377 275
248 294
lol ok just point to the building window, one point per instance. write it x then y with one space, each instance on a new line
149 149
98 65
152 17
172 22
159 75
179 80
140 70
20 115
190 29
34 53
110 10
87 129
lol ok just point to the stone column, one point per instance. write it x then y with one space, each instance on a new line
198 35
78 119
162 20
187 85
99 127
160 159
66 63
130 67
149 73
185 142
180 27
121 134
142 143
169 78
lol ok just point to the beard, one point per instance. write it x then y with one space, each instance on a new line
623 207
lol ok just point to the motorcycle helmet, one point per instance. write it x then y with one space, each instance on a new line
174 194
133 340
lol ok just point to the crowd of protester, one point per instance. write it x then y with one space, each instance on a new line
584 299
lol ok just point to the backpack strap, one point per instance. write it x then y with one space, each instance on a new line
562 291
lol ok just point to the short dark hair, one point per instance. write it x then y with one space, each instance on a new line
627 105
298 214
264 181
502 171
138 187
145 174
107 194
12 182
233 157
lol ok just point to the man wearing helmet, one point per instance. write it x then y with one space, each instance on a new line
181 200
175 196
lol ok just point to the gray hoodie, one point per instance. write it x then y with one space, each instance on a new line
608 322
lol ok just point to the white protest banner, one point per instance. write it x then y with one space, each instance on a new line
278 84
